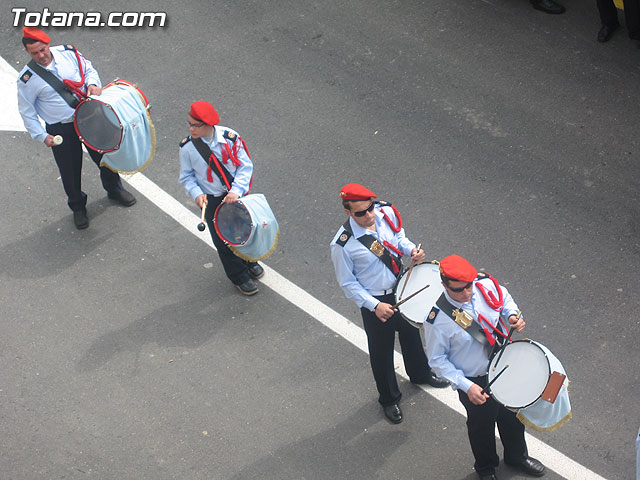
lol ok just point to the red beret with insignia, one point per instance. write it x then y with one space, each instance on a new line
35 34
204 112
457 268
355 191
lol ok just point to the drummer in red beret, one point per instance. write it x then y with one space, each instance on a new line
42 96
366 253
215 168
469 322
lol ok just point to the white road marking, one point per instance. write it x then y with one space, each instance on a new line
552 458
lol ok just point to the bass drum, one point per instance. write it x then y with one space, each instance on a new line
117 123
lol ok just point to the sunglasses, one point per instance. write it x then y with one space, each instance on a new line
459 289
362 213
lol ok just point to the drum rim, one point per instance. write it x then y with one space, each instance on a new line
84 140
546 357
215 225
413 323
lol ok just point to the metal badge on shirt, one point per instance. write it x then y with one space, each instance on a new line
462 318
377 248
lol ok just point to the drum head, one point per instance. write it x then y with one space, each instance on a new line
233 223
416 310
97 125
526 378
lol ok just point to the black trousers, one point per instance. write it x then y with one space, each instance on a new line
235 267
381 338
481 421
609 15
68 157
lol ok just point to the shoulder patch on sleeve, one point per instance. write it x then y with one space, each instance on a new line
26 76
482 275
230 136
343 238
184 141
432 315
69 47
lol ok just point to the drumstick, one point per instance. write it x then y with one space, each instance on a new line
57 140
484 390
409 274
201 226
506 340
409 297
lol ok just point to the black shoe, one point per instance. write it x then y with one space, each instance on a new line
433 380
393 413
80 219
123 197
548 6
530 466
606 32
490 476
256 271
248 288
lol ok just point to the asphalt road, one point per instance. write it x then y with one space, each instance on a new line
500 133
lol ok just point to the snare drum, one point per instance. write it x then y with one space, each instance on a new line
248 227
521 386
415 311
117 123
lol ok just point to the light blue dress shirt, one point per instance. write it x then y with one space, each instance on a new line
453 353
36 98
359 271
193 168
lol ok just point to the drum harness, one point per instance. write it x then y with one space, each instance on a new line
67 89
465 321
225 176
391 260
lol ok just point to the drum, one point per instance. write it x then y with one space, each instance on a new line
117 123
415 311
521 387
248 227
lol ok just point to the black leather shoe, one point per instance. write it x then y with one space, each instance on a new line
123 197
530 466
80 219
490 476
548 6
433 380
606 32
248 287
393 413
256 271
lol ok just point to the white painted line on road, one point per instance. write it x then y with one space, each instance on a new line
9 116
552 458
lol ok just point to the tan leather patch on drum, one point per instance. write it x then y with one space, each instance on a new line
553 387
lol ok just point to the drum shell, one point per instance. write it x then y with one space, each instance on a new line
125 134
416 310
263 230
528 374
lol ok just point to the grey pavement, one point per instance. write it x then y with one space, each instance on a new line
500 133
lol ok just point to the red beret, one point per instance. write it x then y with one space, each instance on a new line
204 112
355 191
35 34
457 268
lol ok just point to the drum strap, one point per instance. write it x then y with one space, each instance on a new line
205 152
55 83
474 329
391 261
